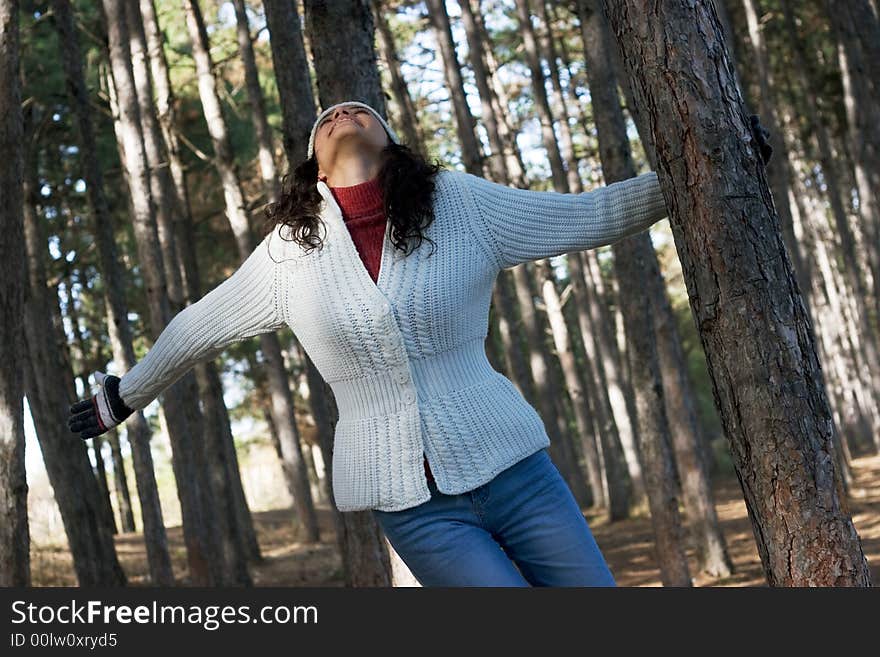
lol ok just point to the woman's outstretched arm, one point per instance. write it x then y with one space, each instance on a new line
244 305
522 225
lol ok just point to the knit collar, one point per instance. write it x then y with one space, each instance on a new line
360 200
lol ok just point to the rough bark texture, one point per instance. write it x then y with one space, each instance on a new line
344 26
14 537
291 70
752 322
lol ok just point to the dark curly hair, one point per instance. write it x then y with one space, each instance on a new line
407 183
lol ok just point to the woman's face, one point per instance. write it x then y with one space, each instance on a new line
346 131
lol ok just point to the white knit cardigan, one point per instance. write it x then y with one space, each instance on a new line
404 356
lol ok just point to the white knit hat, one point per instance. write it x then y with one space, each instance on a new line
330 109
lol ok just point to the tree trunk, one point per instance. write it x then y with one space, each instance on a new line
265 145
65 456
343 26
216 425
282 400
856 35
14 536
471 153
491 121
546 386
547 48
114 296
603 322
618 481
409 119
123 497
579 400
291 69
761 84
751 319
542 104
86 366
189 470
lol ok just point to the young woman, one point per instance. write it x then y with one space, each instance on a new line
442 448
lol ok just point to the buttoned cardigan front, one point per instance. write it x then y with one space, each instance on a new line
404 355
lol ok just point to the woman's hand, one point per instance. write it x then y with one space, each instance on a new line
105 410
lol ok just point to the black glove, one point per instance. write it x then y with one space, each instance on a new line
105 410
759 132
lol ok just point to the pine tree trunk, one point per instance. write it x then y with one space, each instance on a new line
546 387
409 119
751 319
471 153
86 365
603 321
761 84
114 296
265 145
477 59
187 455
161 184
500 102
547 49
14 536
120 479
65 456
542 104
579 400
856 35
282 400
291 69
618 481
343 26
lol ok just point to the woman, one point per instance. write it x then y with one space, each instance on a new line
443 449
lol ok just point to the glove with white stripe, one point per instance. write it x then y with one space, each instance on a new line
105 410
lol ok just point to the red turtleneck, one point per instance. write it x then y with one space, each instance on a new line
363 210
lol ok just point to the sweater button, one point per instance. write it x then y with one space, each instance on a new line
409 396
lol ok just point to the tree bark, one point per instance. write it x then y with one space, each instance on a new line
265 143
291 70
752 322
542 104
580 403
409 119
471 152
14 536
238 219
65 456
343 26
185 438
120 480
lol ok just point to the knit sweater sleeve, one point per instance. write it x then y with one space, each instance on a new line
522 225
244 305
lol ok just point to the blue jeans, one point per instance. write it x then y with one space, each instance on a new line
522 528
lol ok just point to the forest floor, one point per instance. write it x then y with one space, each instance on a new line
627 545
